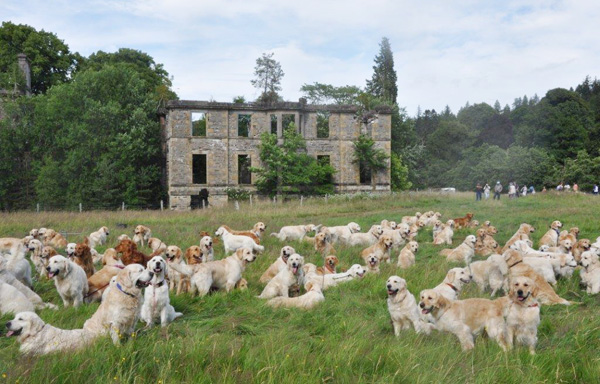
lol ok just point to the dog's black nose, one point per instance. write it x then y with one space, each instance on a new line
389 286
520 292
8 325
48 269
422 305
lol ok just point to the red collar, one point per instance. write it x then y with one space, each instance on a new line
452 286
533 305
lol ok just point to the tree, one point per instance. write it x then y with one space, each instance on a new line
319 93
369 158
50 59
287 170
268 75
399 174
383 83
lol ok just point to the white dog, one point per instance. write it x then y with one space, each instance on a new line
7 277
206 249
278 265
295 232
491 272
403 307
233 242
39 338
366 239
341 233
310 299
453 282
70 280
13 301
281 283
99 237
156 297
356 271
590 275
36 246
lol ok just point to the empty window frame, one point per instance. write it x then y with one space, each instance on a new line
199 169
364 173
287 120
323 124
274 124
198 124
244 125
244 175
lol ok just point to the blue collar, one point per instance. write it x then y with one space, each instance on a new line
121 289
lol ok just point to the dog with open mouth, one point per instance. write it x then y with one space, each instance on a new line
403 307
207 252
453 283
177 282
523 313
281 283
39 338
329 266
356 271
466 318
119 311
157 305
372 263
464 252
406 258
278 265
70 280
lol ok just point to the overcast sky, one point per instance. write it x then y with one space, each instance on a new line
445 52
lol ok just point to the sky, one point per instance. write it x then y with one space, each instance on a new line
445 52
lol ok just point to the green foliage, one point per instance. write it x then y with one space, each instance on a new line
51 60
319 93
239 99
383 83
288 170
239 194
323 124
268 75
370 158
399 174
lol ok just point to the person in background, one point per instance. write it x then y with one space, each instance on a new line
512 190
575 188
531 190
524 190
478 191
544 189
595 190
497 190
567 187
559 187
517 194
486 191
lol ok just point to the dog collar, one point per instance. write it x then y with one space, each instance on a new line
557 231
510 266
121 289
118 266
160 284
533 305
452 286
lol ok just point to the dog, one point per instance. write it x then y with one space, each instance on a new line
249 234
278 265
522 234
372 263
572 234
329 266
130 254
206 249
39 338
233 242
178 282
322 244
466 318
366 239
410 220
398 235
13 301
281 283
463 222
54 239
485 244
523 317
218 274
141 235
452 285
295 232
6 276
82 256
70 280
581 246
312 297
100 280
342 233
157 305
491 273
356 271
444 236
550 238
123 237
406 258
193 255
119 311
35 247
99 237
381 249
590 275
463 252
402 307
157 246
516 268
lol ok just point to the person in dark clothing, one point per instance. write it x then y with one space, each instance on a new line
497 190
478 192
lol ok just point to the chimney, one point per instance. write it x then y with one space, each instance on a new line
24 66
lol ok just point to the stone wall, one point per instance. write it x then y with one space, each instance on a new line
222 145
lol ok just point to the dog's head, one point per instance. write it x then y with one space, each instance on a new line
24 325
512 257
567 244
123 237
47 253
450 223
26 240
357 270
376 230
206 243
373 260
584 244
393 224
568 260
523 290
140 230
58 266
220 231
259 227
574 231
413 246
469 216
109 255
135 276
353 227
82 249
34 233
418 215
526 228
173 254
331 261
404 229
321 239
474 223
431 301
556 224
456 276
157 265
519 245
491 230
35 246
105 230
295 263
126 247
386 241
487 223
245 255
193 255
588 259
480 233
470 241
394 285
49 234
437 224
286 252
309 227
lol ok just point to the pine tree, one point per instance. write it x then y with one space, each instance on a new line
383 83
268 74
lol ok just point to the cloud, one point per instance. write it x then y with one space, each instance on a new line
446 53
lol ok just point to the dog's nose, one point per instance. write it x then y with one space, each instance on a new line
48 269
520 292
422 305
8 325
389 286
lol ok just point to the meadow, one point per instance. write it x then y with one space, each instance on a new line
348 338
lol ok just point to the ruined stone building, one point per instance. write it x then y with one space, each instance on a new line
210 145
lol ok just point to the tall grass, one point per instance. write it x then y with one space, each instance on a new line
348 338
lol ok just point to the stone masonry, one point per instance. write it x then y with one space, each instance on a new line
222 145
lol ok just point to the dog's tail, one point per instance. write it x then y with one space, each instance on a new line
446 252
274 234
259 248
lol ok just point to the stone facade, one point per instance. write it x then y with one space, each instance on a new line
222 145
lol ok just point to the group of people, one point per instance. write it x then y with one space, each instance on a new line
513 190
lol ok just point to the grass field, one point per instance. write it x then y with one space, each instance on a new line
348 338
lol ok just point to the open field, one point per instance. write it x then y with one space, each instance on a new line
349 337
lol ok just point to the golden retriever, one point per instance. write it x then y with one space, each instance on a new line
550 238
329 266
453 283
491 273
444 236
249 234
406 258
281 283
356 271
54 239
99 237
466 318
70 280
13 301
157 305
590 275
176 279
99 281
381 249
233 242
141 235
278 265
372 263
522 234
295 232
485 244
463 222
402 307
322 245
581 246
367 239
523 313
463 252
312 297
157 246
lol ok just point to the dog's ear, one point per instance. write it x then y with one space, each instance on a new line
239 253
35 326
67 267
126 279
308 286
188 254
534 289
451 275
86 241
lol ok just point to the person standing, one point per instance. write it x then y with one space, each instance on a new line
512 190
497 190
478 191
486 191
595 190
575 188
524 190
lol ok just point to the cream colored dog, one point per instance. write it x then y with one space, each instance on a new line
6 276
406 258
381 249
233 242
523 233
207 250
281 283
523 315
453 283
70 280
403 307
182 282
279 264
13 301
550 238
356 271
466 318
366 239
157 246
590 275
372 263
141 235
492 273
309 300
295 232
463 252
444 236
342 233
99 237
157 305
